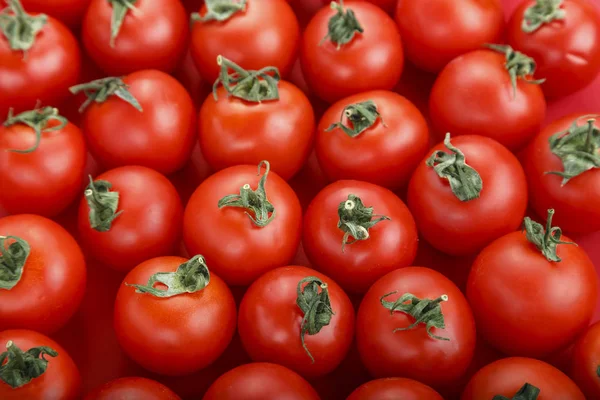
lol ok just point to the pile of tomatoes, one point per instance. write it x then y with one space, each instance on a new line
299 199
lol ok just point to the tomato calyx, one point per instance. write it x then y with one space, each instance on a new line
20 28
518 65
356 220
190 277
546 240
220 10
21 367
12 261
102 203
120 8
37 120
465 182
342 27
527 392
540 13
361 116
100 90
249 85
424 311
253 201
313 299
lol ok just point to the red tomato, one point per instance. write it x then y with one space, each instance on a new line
387 5
511 278
52 283
384 244
473 95
261 381
586 360
160 136
153 35
392 343
365 55
237 248
458 221
59 378
70 12
566 49
507 376
394 388
275 294
576 198
434 32
147 223
383 149
131 389
178 328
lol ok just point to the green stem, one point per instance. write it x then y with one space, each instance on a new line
361 117
101 89
313 299
220 10
38 121
20 28
546 240
102 203
343 26
356 220
12 260
18 368
542 12
120 8
527 392
518 65
252 86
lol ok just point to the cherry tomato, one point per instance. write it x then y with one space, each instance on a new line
387 234
394 388
365 55
586 360
42 274
69 12
132 388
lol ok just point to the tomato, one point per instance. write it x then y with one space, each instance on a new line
469 192
566 48
586 360
252 33
394 388
310 352
574 196
540 291
40 65
48 371
431 339
136 215
365 54
507 376
387 5
261 381
132 388
346 209
305 9
42 274
180 326
376 136
473 95
242 240
69 12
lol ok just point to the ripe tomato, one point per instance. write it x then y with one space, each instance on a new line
540 291
252 33
460 27
69 12
243 239
311 314
177 318
261 381
391 340
376 136
38 62
574 195
365 53
508 376
136 215
130 35
586 360
394 388
563 37
47 371
42 274
356 232
153 115
132 388
42 159
473 95
469 192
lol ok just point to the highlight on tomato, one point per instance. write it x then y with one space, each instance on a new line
132 388
394 388
585 365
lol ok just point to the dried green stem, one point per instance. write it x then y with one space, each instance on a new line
518 66
19 28
102 203
220 10
343 26
37 120
542 12
252 86
18 368
101 89
361 116
14 252
356 220
526 392
546 240
313 299
120 8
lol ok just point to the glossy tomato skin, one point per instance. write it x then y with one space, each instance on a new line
473 95
235 132
132 388
61 379
153 36
460 27
461 228
391 244
575 202
177 335
54 271
585 362
265 34
412 353
541 306
46 180
235 248
274 295
261 381
385 154
160 137
505 377
372 60
567 52
394 388
150 225
69 12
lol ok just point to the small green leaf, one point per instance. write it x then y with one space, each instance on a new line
361 117
18 368
313 299
343 26
546 241
101 89
103 204
356 220
540 13
14 252
19 28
